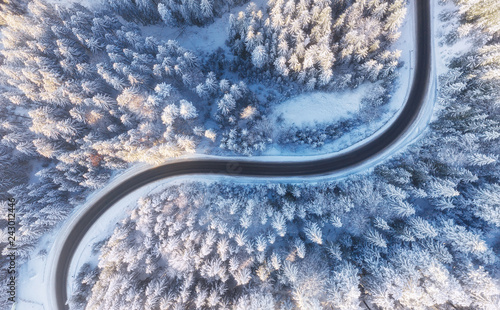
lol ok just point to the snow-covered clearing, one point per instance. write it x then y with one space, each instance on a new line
320 107
199 39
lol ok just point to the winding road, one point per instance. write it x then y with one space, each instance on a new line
408 115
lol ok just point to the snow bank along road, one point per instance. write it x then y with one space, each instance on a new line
416 98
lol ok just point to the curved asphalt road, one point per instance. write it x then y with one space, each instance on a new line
357 156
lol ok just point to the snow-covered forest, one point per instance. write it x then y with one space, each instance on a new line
386 239
418 232
84 95
171 12
306 41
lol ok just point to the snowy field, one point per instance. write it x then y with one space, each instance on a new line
320 107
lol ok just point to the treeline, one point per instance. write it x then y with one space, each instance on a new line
171 12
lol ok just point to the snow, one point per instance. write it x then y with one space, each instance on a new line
36 272
301 114
306 109
445 53
32 274
104 226
406 44
320 107
448 52
200 39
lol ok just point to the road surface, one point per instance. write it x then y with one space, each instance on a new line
334 163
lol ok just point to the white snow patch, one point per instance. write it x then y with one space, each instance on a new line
406 44
194 38
32 274
320 107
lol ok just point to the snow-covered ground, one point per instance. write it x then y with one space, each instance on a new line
199 39
32 280
320 107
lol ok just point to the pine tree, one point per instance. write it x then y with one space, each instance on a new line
279 223
170 112
313 232
259 56
187 110
206 8
375 238
226 105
